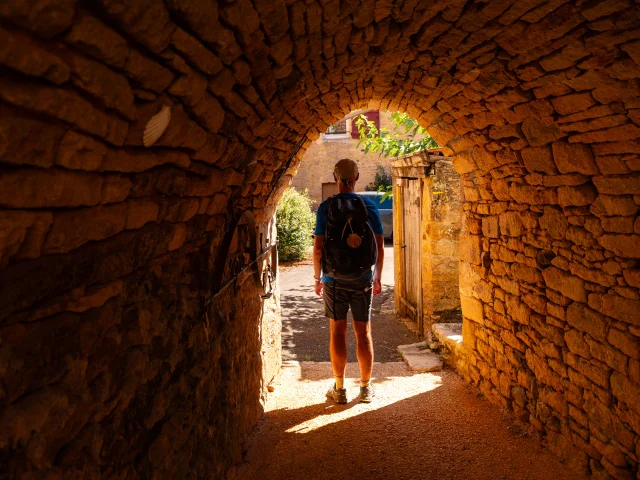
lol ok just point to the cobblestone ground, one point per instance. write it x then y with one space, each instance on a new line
419 426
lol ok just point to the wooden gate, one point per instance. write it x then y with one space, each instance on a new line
407 214
411 293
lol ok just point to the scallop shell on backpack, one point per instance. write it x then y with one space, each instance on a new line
354 240
156 126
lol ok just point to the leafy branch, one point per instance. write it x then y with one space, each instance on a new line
406 137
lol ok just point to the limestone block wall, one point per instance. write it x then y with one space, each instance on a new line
441 220
110 362
437 252
318 161
115 362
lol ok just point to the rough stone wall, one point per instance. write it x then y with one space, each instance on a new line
106 245
440 243
438 237
112 362
317 163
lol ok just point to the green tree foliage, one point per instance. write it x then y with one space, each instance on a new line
406 137
295 223
381 181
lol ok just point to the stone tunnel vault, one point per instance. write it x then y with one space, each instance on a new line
110 363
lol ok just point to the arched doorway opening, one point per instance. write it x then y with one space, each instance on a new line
105 241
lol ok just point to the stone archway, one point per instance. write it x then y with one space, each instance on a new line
107 246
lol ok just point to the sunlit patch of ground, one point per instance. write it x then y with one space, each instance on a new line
419 426
393 383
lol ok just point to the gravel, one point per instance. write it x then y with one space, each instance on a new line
419 426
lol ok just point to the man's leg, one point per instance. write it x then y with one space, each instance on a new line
361 309
336 305
338 349
364 350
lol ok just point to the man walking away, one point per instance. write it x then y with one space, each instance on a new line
348 242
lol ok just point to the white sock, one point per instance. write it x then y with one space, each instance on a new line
365 383
339 382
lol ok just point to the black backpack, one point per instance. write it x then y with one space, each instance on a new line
349 249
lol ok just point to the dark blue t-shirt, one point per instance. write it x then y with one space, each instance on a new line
374 219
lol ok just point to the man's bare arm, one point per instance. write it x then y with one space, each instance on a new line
318 242
377 273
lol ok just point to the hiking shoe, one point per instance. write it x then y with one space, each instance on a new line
338 395
367 393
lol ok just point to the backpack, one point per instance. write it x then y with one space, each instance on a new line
349 250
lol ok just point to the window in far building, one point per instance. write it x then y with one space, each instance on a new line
337 128
329 190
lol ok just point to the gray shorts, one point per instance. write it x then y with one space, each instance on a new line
340 295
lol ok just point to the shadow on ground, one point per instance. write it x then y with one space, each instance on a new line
420 426
305 329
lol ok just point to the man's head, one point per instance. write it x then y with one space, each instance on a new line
346 173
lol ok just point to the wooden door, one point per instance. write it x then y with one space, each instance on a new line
329 190
412 278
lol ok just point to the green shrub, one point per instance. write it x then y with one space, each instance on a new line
295 223
381 181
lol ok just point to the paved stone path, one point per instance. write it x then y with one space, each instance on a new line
305 329
420 426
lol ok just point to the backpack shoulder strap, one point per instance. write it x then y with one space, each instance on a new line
364 205
329 201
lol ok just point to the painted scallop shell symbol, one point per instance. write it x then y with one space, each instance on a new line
156 126
354 241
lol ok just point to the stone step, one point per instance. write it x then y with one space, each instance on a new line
449 335
419 358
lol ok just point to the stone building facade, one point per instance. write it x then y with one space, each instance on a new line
315 171
113 360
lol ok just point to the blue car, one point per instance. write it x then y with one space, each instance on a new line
386 211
